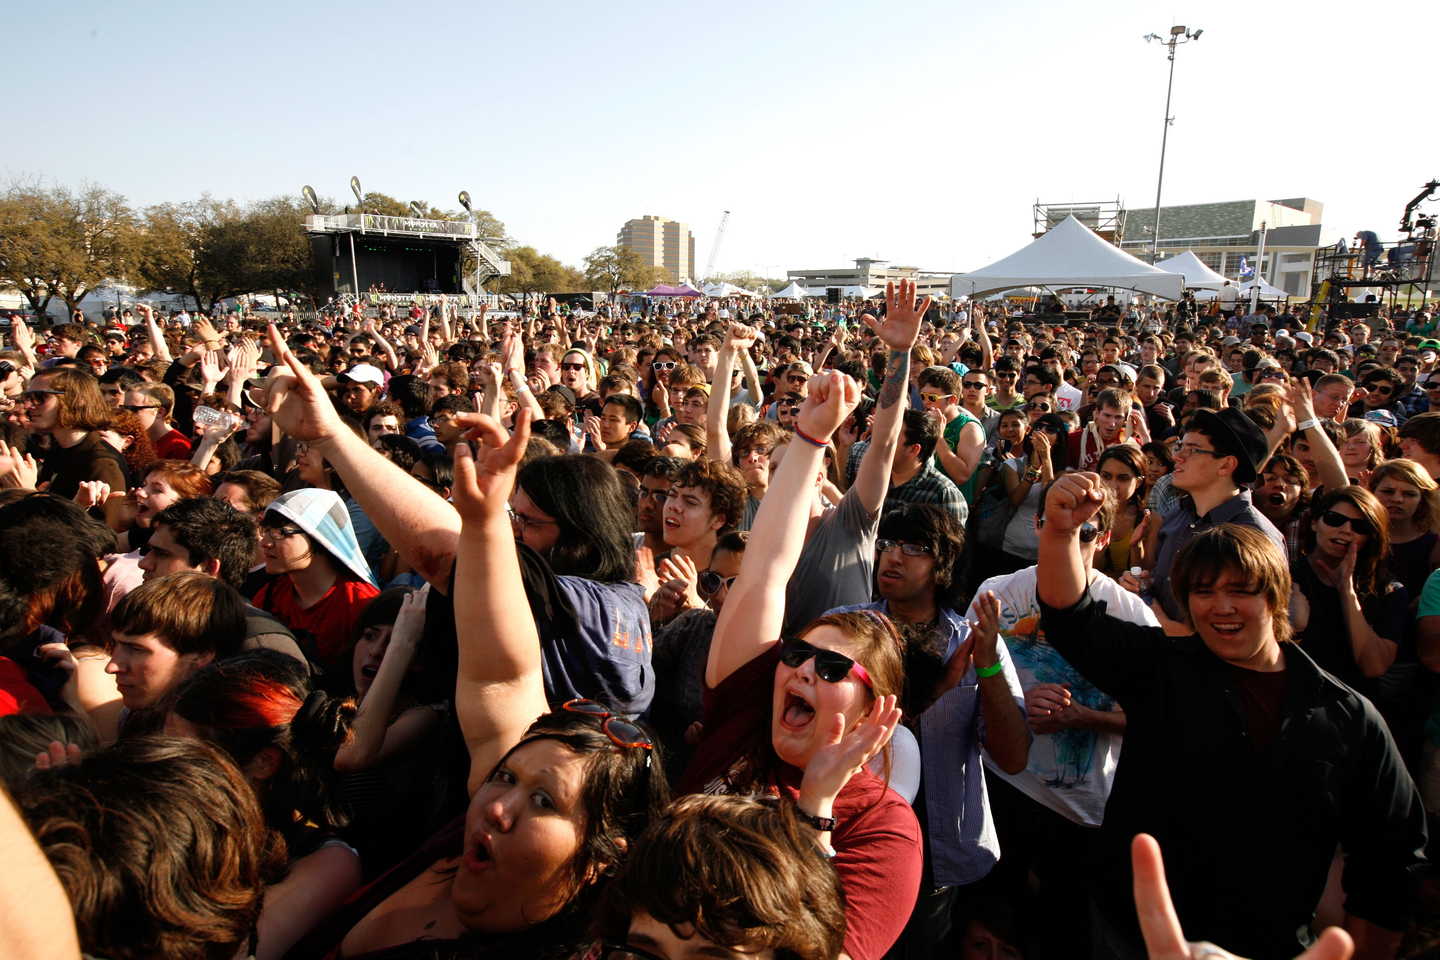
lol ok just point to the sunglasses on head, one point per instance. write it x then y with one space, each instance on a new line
830 666
621 732
711 582
1336 519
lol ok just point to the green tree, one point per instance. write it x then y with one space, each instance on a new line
59 242
523 260
610 268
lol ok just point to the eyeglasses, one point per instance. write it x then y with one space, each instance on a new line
934 397
909 549
302 448
279 533
1272 375
972 385
830 666
527 522
711 582
38 396
1336 519
621 732
654 494
663 365
137 407
1190 450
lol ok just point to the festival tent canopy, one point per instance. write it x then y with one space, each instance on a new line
793 292
723 289
1070 255
1267 292
665 290
864 293
1197 275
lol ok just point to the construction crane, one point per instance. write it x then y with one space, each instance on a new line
715 247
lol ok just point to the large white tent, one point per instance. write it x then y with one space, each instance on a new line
723 289
1070 255
1197 275
793 292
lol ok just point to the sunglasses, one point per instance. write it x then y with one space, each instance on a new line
572 366
909 549
972 385
934 397
663 365
1003 375
1088 531
1041 407
794 378
791 407
137 407
621 732
1336 519
38 396
830 666
710 582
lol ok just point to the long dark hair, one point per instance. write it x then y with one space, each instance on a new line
589 502
1060 449
624 791
1372 573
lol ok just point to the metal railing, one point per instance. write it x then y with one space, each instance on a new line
375 223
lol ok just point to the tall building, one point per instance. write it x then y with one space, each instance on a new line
1221 234
661 243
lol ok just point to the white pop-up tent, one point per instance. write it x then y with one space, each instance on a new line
1197 275
723 289
1070 255
1267 292
793 292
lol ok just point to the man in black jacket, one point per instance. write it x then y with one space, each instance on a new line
1245 760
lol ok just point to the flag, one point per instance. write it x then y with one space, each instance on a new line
1245 268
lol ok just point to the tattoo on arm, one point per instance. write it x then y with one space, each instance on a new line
897 374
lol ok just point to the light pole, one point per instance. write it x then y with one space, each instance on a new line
1178 35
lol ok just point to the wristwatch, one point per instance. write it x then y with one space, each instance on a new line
823 824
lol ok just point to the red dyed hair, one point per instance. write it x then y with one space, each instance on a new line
183 476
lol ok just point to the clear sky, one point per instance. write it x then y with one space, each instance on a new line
918 132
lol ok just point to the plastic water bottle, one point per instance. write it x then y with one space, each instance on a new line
210 417
1139 574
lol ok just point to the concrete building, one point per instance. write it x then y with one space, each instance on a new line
661 243
1221 233
872 273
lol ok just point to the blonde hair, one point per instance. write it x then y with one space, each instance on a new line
1427 514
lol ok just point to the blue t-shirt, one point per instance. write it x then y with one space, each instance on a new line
608 659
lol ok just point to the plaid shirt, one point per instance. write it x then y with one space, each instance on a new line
1415 402
932 487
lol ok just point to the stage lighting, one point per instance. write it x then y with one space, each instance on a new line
465 200
355 186
308 192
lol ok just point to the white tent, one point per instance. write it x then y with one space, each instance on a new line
793 292
1197 275
1267 292
722 289
1070 255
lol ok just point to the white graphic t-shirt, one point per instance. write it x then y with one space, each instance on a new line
1070 771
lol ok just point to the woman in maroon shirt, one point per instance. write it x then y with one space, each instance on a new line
802 717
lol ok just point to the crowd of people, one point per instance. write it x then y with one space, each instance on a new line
893 630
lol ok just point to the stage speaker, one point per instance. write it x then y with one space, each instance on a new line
832 295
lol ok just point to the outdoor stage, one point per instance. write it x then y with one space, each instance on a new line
354 252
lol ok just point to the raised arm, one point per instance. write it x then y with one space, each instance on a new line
500 688
717 434
898 332
751 619
1327 459
754 392
422 527
982 337
1060 573
392 359
158 345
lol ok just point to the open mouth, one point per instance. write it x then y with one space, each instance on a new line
477 857
797 713
369 672
1277 499
1228 630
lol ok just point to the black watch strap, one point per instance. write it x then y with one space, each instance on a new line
823 824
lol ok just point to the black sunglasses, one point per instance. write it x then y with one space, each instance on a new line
1336 519
38 396
1088 531
830 666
